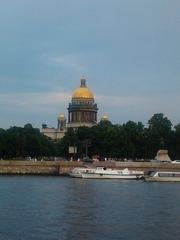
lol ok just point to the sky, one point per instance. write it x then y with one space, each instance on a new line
129 50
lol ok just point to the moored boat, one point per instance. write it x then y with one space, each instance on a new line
160 176
108 173
78 171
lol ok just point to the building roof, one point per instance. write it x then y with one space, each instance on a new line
61 116
83 91
105 118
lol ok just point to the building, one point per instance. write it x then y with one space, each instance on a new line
55 133
82 111
105 118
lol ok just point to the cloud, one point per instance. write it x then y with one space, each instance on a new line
45 102
20 108
70 61
117 101
138 108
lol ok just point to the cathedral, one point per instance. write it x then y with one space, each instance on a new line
82 111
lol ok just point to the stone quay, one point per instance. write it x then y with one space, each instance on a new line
12 167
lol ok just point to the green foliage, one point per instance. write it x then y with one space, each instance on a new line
159 133
177 140
129 140
22 142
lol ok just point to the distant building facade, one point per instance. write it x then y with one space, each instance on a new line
55 133
82 111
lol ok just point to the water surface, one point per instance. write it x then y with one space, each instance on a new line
62 208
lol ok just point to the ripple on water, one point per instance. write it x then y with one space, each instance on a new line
53 208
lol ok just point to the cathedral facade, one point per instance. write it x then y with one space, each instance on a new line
82 111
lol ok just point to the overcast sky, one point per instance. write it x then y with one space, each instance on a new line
128 49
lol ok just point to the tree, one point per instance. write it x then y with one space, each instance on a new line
177 141
129 140
158 133
70 139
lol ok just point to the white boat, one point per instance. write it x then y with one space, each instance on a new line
78 171
108 173
161 176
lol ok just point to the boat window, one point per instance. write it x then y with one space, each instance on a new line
151 173
166 174
176 174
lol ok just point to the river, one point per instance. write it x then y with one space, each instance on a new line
62 208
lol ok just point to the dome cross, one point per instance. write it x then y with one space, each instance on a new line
83 82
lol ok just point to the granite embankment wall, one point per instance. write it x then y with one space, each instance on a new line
63 167
37 168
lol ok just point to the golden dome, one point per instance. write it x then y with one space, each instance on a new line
105 118
61 116
83 91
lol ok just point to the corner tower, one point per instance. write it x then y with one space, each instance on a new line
82 110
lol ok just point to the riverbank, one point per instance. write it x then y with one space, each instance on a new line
63 167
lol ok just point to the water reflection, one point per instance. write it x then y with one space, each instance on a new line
55 208
80 210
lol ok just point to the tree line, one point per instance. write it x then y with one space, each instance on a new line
130 140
